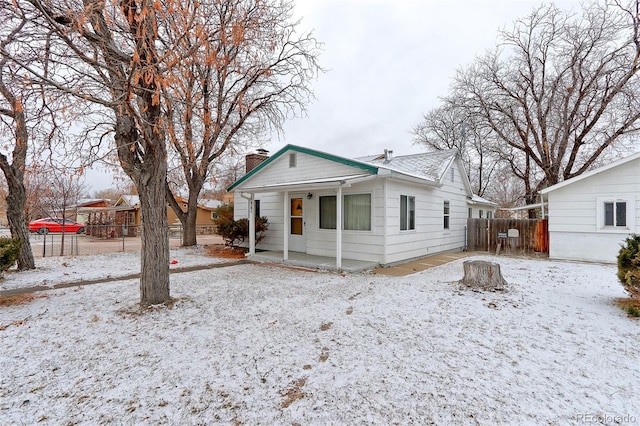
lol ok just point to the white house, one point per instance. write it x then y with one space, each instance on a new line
392 209
591 215
481 207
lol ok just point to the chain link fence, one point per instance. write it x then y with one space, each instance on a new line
47 245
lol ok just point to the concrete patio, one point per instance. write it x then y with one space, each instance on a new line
350 265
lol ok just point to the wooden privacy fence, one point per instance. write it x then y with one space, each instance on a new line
512 236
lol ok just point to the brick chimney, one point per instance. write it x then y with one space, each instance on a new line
253 160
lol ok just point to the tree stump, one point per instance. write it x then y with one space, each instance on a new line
483 275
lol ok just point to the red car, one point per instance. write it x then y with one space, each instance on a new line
53 224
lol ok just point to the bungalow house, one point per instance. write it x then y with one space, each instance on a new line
381 209
591 215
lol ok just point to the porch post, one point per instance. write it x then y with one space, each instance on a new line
339 228
252 225
286 213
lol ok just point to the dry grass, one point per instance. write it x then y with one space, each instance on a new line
631 305
20 299
227 252
325 326
293 392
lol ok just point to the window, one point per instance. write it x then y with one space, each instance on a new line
470 212
407 212
615 213
453 174
446 215
293 160
480 214
356 212
257 207
489 215
327 212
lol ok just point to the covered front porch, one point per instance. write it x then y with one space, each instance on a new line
299 209
312 261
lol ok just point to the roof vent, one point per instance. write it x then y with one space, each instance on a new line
388 155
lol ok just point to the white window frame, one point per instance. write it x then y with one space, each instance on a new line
630 213
405 223
446 211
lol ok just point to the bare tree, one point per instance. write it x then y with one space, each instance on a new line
562 92
448 127
114 56
247 71
24 114
66 188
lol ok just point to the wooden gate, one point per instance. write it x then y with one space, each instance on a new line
512 236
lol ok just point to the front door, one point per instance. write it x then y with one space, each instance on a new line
296 225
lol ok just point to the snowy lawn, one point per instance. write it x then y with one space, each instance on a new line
251 344
67 269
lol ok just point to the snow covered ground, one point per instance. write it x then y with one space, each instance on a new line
256 344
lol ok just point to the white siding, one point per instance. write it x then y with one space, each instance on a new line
358 245
307 167
429 237
576 229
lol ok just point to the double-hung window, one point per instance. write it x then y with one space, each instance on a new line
407 212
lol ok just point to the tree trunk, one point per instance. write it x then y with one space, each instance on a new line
16 200
154 274
189 218
483 275
148 170
189 227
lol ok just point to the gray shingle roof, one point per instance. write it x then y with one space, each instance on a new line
428 165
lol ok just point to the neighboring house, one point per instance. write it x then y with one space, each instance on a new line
481 208
393 209
79 210
204 214
124 217
591 215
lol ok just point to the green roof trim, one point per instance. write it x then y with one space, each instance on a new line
341 160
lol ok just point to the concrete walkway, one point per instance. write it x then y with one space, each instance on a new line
422 264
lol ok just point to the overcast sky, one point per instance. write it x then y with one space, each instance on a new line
387 62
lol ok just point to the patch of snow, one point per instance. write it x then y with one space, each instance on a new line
65 269
257 344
